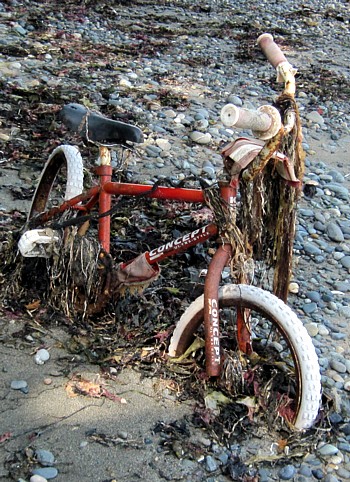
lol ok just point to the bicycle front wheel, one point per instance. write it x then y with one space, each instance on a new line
282 374
61 179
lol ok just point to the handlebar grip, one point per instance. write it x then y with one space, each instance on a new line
271 50
264 122
232 115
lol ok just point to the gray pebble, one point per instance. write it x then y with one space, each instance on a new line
311 249
305 470
344 311
223 457
312 329
338 336
315 117
314 296
287 472
19 384
309 308
47 472
44 457
210 464
318 474
344 447
330 478
345 261
264 475
336 176
338 366
340 191
334 232
234 99
319 226
306 213
344 473
35 478
327 450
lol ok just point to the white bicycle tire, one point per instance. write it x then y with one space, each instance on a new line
71 156
292 327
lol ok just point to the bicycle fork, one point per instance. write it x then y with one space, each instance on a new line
211 299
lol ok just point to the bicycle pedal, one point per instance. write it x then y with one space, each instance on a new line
38 243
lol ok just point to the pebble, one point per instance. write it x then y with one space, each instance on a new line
315 117
287 472
312 329
309 308
330 478
210 464
344 473
200 137
37 478
327 450
41 356
19 385
318 474
345 262
338 366
293 287
46 472
334 232
44 457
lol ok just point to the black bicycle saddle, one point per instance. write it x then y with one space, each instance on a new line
94 127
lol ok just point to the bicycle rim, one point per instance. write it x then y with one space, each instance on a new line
281 377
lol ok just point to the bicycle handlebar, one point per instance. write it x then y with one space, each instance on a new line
264 122
285 71
271 50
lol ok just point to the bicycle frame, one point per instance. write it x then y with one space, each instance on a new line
101 196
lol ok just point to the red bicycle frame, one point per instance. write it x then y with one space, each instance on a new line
102 195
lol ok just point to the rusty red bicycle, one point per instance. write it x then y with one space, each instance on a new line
253 341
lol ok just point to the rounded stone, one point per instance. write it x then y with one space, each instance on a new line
330 478
318 474
45 458
334 232
327 450
46 472
322 330
309 308
312 329
313 296
345 261
37 478
311 249
338 366
210 464
293 287
287 472
315 117
41 356
200 137
19 384
305 470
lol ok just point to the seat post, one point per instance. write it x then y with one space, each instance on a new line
105 173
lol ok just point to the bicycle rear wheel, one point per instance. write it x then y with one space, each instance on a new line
282 374
61 179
